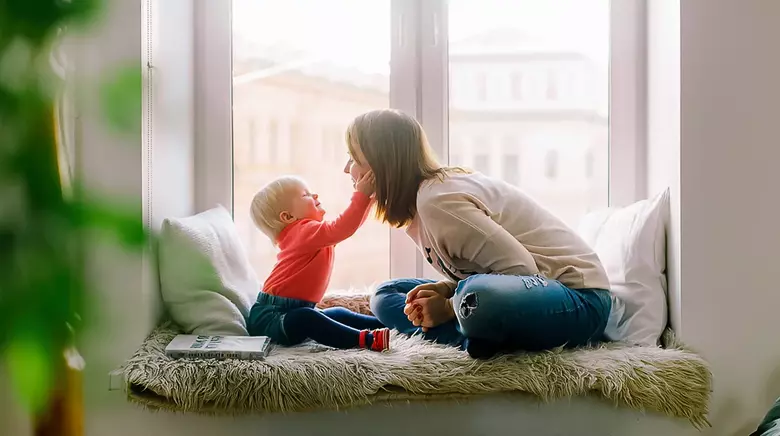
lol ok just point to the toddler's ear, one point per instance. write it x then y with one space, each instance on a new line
286 217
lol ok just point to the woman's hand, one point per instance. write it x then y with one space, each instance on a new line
428 305
442 288
366 184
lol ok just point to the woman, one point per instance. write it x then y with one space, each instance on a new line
517 278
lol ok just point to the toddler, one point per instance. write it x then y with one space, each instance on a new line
291 216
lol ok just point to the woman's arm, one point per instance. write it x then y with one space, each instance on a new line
466 232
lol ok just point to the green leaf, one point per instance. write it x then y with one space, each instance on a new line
81 11
120 100
31 366
15 64
38 19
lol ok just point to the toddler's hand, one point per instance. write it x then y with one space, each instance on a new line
366 184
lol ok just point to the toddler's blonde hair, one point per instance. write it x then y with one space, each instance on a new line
270 202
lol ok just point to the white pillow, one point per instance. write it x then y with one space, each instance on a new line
206 280
631 243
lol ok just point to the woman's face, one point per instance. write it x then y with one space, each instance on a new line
356 165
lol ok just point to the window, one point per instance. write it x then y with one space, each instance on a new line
339 146
517 86
481 87
456 150
327 149
482 163
288 61
297 147
553 86
254 235
511 169
533 43
273 142
256 143
551 164
590 163
459 66
510 160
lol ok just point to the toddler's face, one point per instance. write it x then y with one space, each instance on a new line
304 204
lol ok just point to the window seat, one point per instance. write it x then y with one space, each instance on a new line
672 381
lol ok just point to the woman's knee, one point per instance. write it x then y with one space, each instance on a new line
399 286
474 295
483 303
378 297
387 287
385 295
390 292
475 309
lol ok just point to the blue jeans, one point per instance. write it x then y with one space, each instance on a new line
502 313
771 423
288 321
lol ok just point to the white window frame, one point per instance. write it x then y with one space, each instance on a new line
628 102
213 104
419 86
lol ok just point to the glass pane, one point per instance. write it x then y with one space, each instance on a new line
529 97
299 77
511 172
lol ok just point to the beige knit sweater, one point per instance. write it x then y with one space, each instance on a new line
471 223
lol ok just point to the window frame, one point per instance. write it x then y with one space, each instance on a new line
419 85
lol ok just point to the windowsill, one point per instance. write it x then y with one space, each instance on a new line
674 382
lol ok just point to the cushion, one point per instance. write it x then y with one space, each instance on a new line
206 280
631 243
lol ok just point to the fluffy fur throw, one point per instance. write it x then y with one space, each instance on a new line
672 381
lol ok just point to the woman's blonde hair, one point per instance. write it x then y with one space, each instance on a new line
269 203
397 151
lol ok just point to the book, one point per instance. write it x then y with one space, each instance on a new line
218 347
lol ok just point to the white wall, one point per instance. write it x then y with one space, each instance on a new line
112 165
151 169
724 142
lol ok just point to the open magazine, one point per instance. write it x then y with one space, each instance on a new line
218 347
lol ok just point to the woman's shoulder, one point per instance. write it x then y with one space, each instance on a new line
457 181
469 186
450 182
483 191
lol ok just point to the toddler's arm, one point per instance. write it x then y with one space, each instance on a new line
345 225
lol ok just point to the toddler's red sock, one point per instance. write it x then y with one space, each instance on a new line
381 340
375 340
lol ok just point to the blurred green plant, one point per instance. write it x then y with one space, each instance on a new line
43 229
